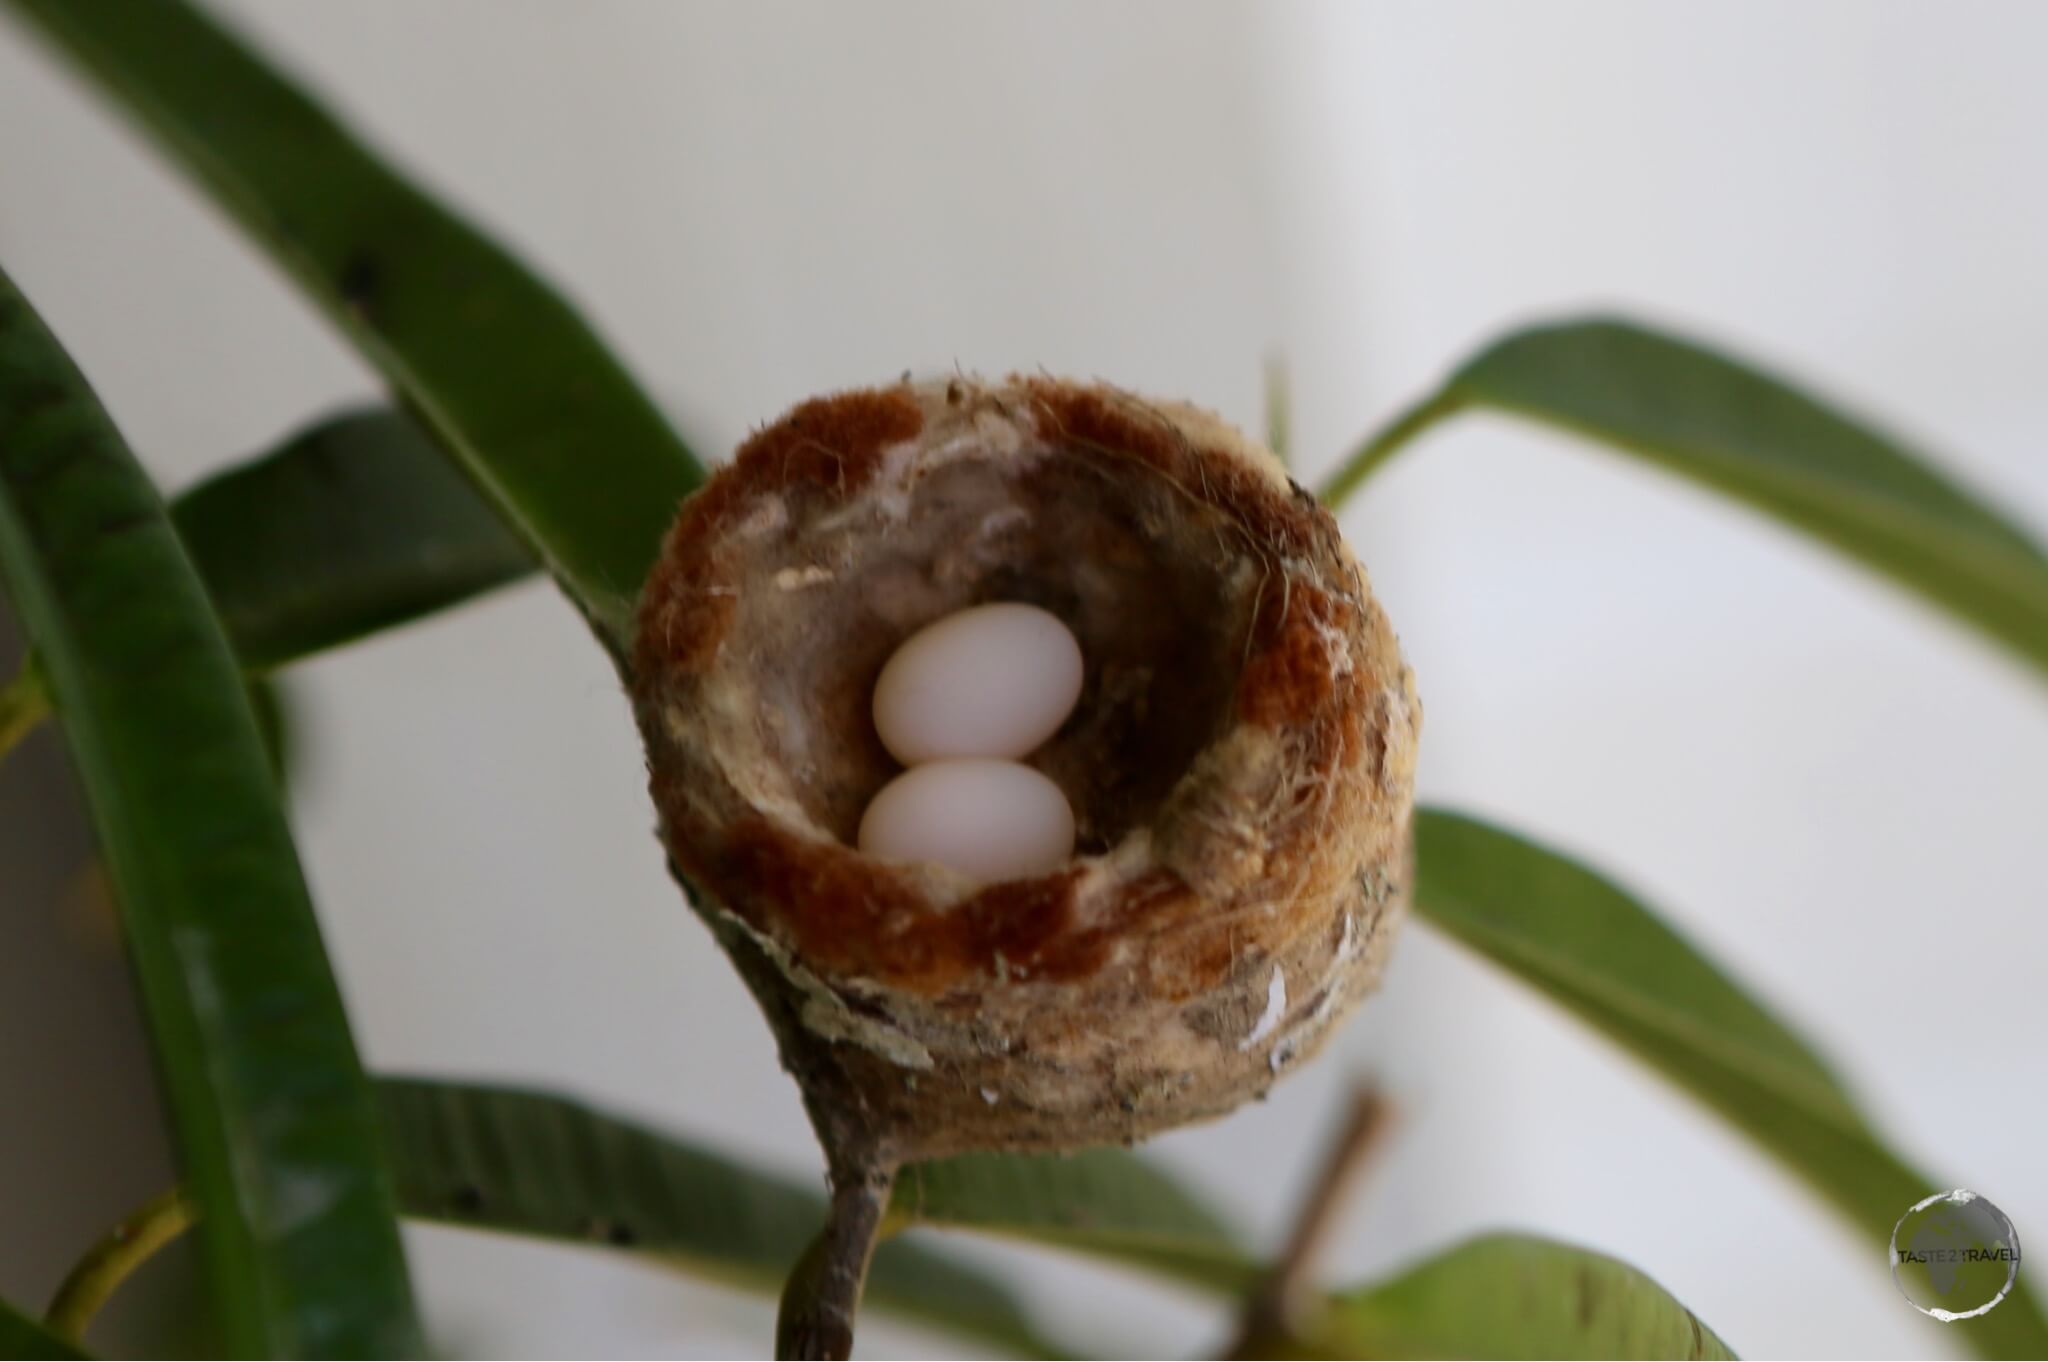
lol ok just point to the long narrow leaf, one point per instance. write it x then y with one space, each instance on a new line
500 368
1594 948
1509 1296
353 525
22 1339
1731 427
530 1163
275 1124
1105 1202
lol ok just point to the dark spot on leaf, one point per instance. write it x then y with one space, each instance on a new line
37 395
599 1230
360 278
1699 1346
468 1199
125 522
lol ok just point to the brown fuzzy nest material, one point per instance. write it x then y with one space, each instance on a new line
1240 764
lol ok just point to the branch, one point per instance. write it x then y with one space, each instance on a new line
1290 1293
822 1296
108 1263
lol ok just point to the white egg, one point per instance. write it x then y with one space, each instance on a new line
989 820
993 681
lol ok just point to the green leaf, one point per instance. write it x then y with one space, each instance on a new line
1279 411
1512 1295
277 724
1739 431
275 1125
529 1163
1105 1202
355 524
23 1338
23 705
1562 923
1594 948
498 366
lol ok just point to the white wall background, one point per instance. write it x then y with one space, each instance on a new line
758 201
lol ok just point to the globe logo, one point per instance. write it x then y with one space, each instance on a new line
1955 1255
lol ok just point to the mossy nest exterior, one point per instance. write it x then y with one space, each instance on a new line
1240 763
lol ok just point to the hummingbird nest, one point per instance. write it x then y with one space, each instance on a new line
1240 763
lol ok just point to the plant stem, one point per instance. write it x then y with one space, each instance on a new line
108 1263
23 704
823 1293
1286 1298
1386 442
1279 411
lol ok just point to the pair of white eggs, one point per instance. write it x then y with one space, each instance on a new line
958 703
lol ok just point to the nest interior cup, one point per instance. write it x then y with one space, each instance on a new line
1240 763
